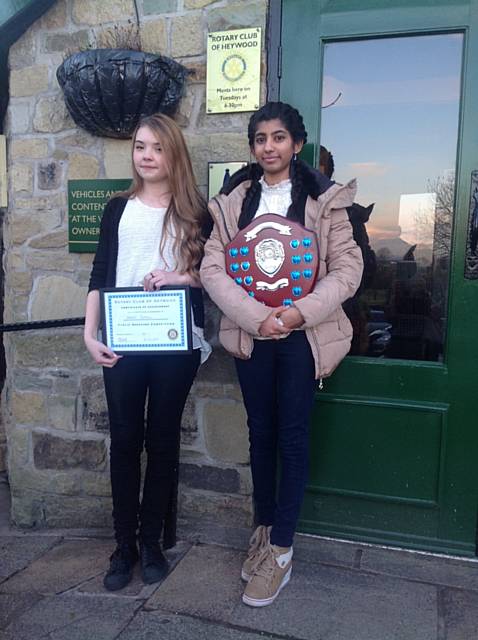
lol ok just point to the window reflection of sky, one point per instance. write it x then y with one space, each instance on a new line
395 125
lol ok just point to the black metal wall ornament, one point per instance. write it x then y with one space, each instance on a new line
471 255
107 91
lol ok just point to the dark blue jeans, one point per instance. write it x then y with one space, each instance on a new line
278 385
165 381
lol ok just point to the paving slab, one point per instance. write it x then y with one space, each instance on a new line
136 587
13 605
460 612
205 583
65 566
449 571
16 552
74 617
154 624
321 602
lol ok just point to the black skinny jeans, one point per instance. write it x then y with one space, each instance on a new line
165 380
278 386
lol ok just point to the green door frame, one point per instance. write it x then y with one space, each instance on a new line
442 389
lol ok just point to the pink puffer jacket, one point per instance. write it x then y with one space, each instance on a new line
327 327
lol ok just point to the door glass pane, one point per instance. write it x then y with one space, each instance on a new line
390 110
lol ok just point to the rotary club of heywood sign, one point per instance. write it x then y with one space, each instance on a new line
233 70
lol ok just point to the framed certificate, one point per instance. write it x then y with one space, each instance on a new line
137 322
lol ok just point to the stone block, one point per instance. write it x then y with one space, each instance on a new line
18 446
197 72
28 479
51 350
66 384
197 4
65 42
96 484
54 18
51 240
23 52
117 158
48 205
19 117
49 175
52 452
20 281
22 148
92 12
28 81
232 510
25 380
57 297
187 36
186 106
189 425
27 407
82 167
52 261
79 138
14 260
21 177
21 228
151 7
220 147
238 15
16 309
218 368
209 478
51 115
94 412
225 431
245 480
62 412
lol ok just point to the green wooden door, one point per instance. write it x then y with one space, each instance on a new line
390 88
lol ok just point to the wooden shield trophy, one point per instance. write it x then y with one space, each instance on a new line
276 260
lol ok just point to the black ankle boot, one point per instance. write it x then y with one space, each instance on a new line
154 566
122 562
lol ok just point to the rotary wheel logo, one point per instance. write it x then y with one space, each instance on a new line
172 334
234 67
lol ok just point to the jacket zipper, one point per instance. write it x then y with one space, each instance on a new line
316 343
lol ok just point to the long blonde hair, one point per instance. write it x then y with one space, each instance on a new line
187 209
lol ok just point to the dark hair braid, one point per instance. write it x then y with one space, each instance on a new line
296 207
252 198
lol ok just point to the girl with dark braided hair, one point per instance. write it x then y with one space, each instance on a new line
281 352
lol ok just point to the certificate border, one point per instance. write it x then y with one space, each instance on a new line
186 321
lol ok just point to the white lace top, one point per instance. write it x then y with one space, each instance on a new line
275 198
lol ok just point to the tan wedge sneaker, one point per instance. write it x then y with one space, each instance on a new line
272 574
257 544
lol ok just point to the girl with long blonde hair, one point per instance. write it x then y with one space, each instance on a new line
151 235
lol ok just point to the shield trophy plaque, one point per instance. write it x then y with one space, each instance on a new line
276 260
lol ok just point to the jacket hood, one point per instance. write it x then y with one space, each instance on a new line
315 183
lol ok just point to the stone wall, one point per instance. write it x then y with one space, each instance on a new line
53 401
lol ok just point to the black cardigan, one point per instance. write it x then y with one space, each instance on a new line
103 273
